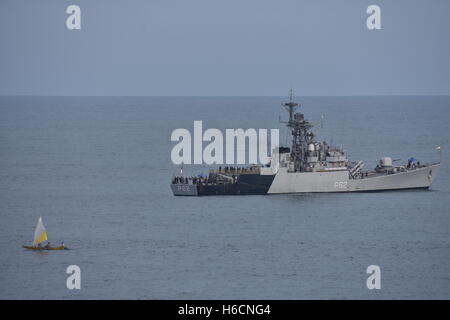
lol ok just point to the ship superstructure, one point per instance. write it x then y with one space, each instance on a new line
308 155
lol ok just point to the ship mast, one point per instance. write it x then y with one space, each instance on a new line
301 134
291 106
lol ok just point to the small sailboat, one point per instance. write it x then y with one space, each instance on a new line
40 235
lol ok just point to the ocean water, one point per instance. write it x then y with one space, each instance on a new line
97 169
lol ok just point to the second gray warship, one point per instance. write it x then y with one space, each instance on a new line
308 166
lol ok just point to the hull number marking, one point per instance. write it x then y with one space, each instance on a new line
340 184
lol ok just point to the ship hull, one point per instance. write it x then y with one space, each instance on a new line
339 181
247 184
181 189
313 182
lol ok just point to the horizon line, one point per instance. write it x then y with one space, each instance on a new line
223 96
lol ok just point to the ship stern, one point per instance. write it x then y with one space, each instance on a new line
184 189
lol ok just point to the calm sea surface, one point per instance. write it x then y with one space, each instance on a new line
97 169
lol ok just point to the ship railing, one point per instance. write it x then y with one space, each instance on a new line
226 171
217 179
225 177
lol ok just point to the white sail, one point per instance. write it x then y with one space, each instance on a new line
40 233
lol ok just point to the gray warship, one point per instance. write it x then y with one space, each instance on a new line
308 166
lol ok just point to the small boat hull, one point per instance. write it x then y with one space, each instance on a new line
43 248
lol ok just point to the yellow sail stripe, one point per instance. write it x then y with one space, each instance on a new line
42 237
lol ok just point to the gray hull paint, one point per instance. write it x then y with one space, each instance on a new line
339 181
184 189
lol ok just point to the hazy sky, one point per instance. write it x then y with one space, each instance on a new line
224 47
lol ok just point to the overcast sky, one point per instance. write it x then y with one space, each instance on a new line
224 47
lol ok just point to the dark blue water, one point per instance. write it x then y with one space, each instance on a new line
97 169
